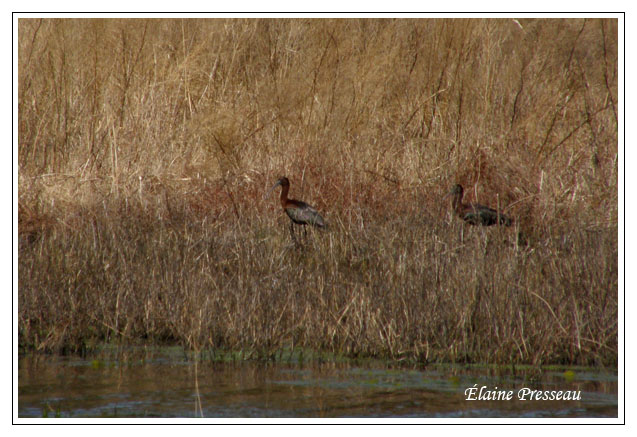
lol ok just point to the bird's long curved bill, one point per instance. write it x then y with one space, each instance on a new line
272 189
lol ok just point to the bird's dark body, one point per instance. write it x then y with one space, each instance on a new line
474 213
477 214
303 214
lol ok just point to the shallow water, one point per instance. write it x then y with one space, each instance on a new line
170 385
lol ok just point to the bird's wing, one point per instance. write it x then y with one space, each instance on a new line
481 214
302 213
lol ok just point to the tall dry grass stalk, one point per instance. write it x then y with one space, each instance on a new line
145 148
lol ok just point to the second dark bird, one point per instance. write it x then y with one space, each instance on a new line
474 213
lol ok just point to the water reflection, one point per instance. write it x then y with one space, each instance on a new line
172 386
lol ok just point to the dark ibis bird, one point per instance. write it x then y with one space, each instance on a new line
474 213
299 212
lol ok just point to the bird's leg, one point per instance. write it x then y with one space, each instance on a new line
292 233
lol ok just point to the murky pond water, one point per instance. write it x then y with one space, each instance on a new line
173 386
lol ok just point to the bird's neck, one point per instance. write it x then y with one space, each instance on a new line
456 202
284 195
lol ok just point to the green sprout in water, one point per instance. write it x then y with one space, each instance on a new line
569 375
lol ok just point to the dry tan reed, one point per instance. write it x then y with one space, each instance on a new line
145 148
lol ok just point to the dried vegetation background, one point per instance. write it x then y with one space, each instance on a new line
146 147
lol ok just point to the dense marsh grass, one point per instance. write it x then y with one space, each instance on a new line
146 146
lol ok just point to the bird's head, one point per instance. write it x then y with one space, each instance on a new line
456 191
282 181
